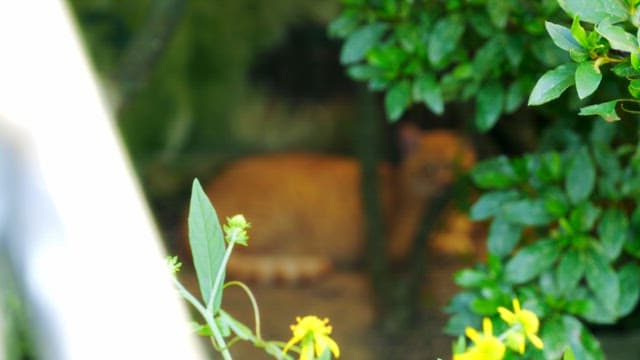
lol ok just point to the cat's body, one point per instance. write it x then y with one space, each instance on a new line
306 213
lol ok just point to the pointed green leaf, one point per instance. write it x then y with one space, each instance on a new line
531 260
581 176
490 203
594 11
629 278
503 237
605 110
489 104
206 241
603 281
496 173
578 32
569 271
587 79
562 37
427 90
617 37
552 84
444 39
498 11
359 42
612 229
397 100
531 212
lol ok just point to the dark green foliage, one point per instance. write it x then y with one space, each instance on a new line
480 51
561 231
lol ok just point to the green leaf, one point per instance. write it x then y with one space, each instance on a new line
583 344
579 34
552 84
444 39
594 11
553 335
498 11
612 229
605 110
587 79
357 45
562 37
569 271
618 38
516 94
629 278
568 355
343 25
469 278
238 328
488 57
527 212
397 100
427 90
207 243
581 174
532 260
490 204
489 104
603 281
503 237
363 72
496 173
583 216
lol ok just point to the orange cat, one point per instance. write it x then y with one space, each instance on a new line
306 213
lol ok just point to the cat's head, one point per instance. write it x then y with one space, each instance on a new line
433 158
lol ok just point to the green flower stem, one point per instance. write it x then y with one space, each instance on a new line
254 305
219 275
208 316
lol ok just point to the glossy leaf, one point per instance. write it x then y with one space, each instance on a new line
490 204
562 37
489 104
603 281
618 38
207 243
444 39
594 11
605 110
581 174
527 212
531 260
569 271
629 278
552 84
587 79
360 42
613 229
494 173
503 237
397 100
427 90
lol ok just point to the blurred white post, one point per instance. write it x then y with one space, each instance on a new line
84 246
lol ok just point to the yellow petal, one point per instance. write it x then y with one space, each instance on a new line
290 343
536 341
333 346
472 334
487 327
516 305
507 315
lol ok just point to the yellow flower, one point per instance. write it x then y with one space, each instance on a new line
313 334
486 346
529 325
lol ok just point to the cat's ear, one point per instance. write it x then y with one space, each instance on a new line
409 138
